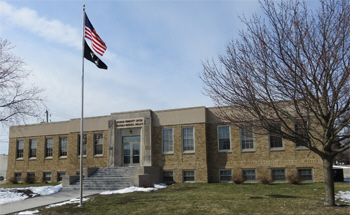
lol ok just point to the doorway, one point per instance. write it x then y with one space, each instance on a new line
131 150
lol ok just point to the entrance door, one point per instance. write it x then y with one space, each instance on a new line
131 150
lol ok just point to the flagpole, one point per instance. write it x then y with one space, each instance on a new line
82 113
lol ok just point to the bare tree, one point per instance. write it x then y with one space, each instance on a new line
290 66
18 100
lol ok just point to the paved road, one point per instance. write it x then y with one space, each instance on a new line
27 204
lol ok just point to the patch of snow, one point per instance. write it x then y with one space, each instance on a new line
134 189
28 212
72 201
10 194
343 167
343 196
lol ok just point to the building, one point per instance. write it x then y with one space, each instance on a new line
3 165
180 145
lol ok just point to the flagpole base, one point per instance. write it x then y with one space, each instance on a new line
80 206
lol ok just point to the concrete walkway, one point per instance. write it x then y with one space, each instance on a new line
28 204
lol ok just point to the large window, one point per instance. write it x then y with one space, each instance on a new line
98 144
299 128
20 147
249 175
63 146
225 175
32 148
48 147
278 175
167 139
224 138
275 139
306 174
188 139
247 140
188 176
47 177
84 144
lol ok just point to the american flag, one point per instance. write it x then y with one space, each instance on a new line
97 43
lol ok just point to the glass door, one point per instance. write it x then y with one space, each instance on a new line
131 150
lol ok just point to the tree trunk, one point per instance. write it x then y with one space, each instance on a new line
328 181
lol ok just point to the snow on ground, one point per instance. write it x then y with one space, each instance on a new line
72 201
12 194
343 196
134 189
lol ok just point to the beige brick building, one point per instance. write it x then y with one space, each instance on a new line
181 145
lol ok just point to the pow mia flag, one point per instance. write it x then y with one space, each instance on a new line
89 55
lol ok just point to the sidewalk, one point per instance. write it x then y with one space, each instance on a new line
27 204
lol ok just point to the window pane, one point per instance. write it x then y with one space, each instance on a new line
224 137
306 174
299 128
188 175
168 144
60 175
247 140
18 176
275 139
84 144
225 175
20 147
188 139
249 174
33 146
98 140
63 146
47 176
278 175
168 176
49 147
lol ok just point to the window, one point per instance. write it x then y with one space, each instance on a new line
188 176
31 177
32 148
299 126
306 174
168 142
224 138
168 175
63 146
247 140
278 174
249 175
48 147
47 176
188 139
84 144
60 176
275 139
225 175
18 177
98 144
20 147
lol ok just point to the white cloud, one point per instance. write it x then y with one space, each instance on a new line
52 30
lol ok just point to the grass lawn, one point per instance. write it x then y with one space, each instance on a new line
214 199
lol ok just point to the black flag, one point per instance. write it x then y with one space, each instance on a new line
89 55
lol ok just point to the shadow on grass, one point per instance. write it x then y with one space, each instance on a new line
282 196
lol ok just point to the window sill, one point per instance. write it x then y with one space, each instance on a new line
189 152
48 158
168 153
277 149
19 159
32 159
98 156
225 150
248 151
62 157
301 148
84 156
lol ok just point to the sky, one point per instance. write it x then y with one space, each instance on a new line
155 51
